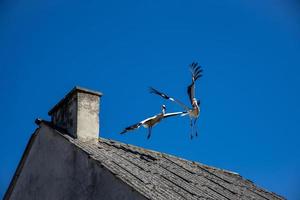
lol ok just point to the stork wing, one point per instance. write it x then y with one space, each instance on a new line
174 114
148 119
137 125
163 95
131 128
196 73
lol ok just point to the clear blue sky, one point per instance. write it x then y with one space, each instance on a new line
250 91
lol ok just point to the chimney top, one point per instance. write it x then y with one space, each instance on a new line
78 113
67 97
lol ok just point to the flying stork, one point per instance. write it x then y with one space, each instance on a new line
193 112
152 121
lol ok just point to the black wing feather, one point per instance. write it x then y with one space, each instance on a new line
131 128
154 91
196 74
163 95
189 91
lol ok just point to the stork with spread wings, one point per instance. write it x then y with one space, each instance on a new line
152 121
193 112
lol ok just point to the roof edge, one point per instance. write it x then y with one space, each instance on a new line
20 166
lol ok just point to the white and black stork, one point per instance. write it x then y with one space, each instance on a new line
152 121
193 112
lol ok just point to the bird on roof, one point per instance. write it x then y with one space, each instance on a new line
152 121
194 111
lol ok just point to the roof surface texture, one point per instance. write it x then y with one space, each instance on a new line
160 176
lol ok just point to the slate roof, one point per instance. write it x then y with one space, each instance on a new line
160 176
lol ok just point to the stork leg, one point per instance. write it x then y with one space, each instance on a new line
195 126
191 125
149 132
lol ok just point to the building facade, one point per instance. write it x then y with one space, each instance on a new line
65 159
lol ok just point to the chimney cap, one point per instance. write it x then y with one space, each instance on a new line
76 89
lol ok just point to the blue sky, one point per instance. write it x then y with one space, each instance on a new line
249 92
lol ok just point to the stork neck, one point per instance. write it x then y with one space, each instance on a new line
195 104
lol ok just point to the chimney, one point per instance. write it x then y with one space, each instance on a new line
78 113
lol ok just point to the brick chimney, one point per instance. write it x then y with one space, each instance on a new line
78 113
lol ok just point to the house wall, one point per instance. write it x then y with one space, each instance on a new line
56 169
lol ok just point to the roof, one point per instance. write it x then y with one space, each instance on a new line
161 176
158 175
